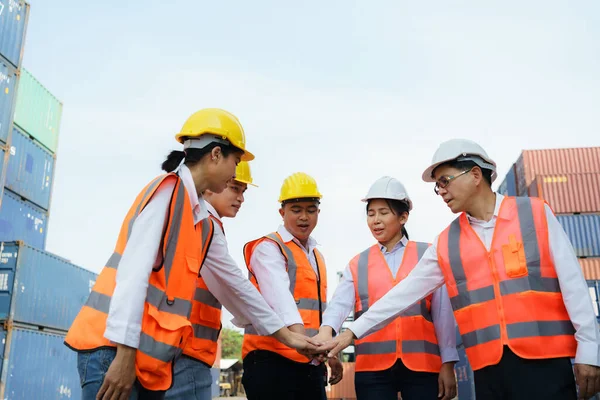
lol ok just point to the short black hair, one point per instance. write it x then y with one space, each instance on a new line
467 165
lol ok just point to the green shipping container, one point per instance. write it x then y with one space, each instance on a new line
37 111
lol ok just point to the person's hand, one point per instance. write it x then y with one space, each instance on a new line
295 340
337 370
447 382
337 344
325 335
120 377
588 380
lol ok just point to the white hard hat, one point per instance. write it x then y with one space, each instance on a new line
388 188
460 150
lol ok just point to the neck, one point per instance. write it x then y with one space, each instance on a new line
483 205
390 244
199 177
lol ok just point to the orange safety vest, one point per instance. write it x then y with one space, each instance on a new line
165 322
509 295
410 337
206 322
309 290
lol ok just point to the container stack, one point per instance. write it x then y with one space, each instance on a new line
40 293
569 180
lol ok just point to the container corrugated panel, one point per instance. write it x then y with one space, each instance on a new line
30 169
569 193
464 376
22 220
344 389
3 162
8 83
47 291
37 111
555 161
508 187
37 365
215 388
591 268
584 232
13 25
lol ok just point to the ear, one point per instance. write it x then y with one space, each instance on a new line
215 153
281 212
477 174
403 218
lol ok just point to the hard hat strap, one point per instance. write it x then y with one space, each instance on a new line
315 199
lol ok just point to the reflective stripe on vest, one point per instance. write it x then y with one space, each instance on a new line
416 336
509 294
206 318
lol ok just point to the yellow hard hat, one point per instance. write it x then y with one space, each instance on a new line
242 173
218 122
299 186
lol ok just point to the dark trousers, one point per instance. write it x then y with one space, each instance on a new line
269 376
516 378
385 385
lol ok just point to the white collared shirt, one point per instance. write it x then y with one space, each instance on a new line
269 268
427 277
220 272
344 298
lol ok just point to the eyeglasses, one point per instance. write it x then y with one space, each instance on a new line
444 181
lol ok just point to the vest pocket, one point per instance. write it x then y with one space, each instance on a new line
515 262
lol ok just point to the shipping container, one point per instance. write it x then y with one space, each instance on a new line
508 187
22 220
594 288
30 169
591 268
8 93
553 162
584 232
215 387
40 288
37 111
37 365
569 193
3 163
13 26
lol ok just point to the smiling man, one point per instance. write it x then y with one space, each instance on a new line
290 273
518 293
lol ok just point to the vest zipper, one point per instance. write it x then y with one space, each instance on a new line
319 289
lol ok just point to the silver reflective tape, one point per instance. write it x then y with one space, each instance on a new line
155 349
539 328
99 302
375 348
480 336
158 299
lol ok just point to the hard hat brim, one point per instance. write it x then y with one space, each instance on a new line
429 171
245 181
299 199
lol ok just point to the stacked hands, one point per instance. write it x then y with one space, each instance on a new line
323 347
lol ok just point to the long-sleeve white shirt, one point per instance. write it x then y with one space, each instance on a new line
269 268
220 272
427 277
344 298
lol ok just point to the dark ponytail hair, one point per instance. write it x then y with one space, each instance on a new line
398 207
193 156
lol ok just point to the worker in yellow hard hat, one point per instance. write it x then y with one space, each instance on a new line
290 273
192 376
140 315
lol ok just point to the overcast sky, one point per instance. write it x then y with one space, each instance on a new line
345 91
